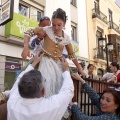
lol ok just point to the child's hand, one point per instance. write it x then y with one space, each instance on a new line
25 53
77 77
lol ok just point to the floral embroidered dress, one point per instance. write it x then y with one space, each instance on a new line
79 115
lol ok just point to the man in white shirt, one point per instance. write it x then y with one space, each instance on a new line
27 101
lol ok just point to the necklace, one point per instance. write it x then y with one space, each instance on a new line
58 38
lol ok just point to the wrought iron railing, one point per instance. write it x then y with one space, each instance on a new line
99 53
97 13
112 25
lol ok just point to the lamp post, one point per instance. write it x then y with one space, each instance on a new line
108 46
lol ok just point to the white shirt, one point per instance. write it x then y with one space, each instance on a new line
52 108
107 76
37 47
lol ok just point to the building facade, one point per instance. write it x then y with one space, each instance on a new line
26 14
103 19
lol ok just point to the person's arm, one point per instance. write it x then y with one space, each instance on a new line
73 57
79 67
28 34
88 89
26 50
113 79
79 115
63 98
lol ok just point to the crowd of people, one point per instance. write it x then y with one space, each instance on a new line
44 88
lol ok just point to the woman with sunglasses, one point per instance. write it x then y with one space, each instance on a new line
55 39
108 104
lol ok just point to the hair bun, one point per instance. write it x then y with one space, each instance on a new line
59 13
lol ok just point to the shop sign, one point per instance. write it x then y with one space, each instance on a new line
10 66
19 25
6 11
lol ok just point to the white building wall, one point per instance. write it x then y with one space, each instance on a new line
16 6
82 29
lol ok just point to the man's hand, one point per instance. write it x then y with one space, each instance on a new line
37 58
38 40
77 77
64 64
41 33
25 53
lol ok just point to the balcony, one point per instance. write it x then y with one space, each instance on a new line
113 26
98 14
100 53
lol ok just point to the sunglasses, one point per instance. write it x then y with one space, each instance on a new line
116 89
44 18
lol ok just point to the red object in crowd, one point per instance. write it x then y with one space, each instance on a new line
118 77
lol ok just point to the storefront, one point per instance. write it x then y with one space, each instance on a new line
12 69
11 46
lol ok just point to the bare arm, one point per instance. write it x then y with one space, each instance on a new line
26 51
79 67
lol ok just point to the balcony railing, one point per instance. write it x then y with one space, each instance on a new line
101 54
97 13
112 25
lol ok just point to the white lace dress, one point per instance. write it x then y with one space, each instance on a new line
51 69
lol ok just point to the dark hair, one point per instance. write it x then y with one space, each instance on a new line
31 84
59 13
116 95
114 64
44 18
90 66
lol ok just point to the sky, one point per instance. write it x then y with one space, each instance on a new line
117 2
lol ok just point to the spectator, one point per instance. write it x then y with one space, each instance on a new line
108 104
115 75
27 101
90 73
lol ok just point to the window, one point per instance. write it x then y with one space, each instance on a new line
23 10
110 19
99 33
30 11
38 15
35 14
96 5
73 2
100 52
73 33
